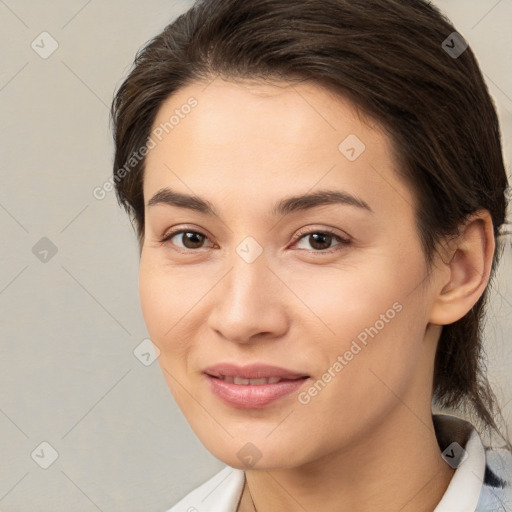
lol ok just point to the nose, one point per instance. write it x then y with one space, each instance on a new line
249 302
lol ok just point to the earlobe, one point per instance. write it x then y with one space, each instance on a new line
468 266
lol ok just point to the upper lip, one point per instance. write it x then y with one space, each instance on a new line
251 371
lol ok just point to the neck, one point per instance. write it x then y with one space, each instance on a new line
398 467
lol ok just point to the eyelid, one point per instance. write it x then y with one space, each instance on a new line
172 232
310 230
343 240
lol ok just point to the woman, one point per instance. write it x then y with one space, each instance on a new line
318 189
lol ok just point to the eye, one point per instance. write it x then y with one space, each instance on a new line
190 239
321 240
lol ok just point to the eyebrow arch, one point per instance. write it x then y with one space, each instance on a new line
283 207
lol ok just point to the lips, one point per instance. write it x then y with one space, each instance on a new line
253 386
252 382
244 374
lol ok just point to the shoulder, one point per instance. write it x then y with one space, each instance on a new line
221 492
482 481
496 493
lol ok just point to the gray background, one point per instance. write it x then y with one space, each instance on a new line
70 324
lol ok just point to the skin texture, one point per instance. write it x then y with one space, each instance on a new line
357 444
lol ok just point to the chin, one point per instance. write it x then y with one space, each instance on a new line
258 453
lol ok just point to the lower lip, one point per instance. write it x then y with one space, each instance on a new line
252 396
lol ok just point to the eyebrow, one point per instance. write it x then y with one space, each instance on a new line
283 207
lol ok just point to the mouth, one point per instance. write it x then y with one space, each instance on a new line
252 387
253 382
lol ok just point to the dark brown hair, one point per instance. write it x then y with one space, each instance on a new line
392 59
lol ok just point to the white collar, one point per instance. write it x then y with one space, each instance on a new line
222 492
465 486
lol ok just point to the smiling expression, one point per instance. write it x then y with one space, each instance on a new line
277 231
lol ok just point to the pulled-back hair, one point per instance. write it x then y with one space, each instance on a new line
392 59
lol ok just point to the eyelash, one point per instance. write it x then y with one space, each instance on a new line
301 234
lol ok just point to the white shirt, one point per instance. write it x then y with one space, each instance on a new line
482 481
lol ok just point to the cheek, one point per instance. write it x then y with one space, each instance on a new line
163 305
376 316
372 360
162 301
348 300
382 355
152 301
170 298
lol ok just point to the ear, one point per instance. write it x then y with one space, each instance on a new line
465 269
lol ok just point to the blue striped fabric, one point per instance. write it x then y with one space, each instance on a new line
496 494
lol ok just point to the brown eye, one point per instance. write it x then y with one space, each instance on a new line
192 240
321 241
189 239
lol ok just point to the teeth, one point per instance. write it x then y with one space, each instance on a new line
242 381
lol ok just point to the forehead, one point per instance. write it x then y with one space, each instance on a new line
260 138
295 111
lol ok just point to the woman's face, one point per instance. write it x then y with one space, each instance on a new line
330 289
